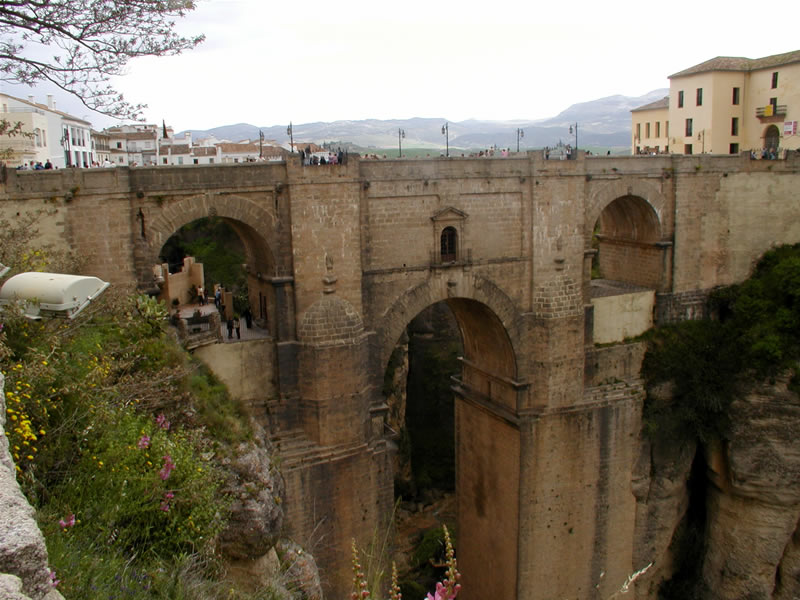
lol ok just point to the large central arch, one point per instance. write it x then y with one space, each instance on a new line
487 435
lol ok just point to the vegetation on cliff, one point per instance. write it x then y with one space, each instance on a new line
755 335
119 438
698 371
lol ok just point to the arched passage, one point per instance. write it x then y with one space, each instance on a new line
772 138
626 237
249 221
487 436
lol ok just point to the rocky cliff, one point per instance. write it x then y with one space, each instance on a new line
23 556
744 506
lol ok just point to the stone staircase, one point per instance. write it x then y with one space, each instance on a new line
297 451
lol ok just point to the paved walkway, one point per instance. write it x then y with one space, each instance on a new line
254 333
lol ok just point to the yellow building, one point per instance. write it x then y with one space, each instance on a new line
728 105
650 128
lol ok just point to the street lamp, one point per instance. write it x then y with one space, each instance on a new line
401 133
576 137
290 133
520 134
446 133
260 145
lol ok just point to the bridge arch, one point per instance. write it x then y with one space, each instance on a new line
650 192
628 230
458 287
487 427
255 226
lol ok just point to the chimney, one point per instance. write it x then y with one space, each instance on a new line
50 104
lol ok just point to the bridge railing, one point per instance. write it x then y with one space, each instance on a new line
462 257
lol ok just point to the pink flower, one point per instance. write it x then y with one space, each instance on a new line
165 502
54 581
69 522
144 442
162 421
167 468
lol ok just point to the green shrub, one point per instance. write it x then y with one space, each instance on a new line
708 363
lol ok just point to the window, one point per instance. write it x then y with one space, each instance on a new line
638 131
734 126
699 96
687 148
774 80
735 96
688 127
194 160
448 244
211 161
119 145
164 160
658 129
180 160
647 130
680 99
734 149
666 129
774 103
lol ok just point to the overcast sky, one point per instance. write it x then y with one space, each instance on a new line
268 63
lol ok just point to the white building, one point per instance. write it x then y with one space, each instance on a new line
59 137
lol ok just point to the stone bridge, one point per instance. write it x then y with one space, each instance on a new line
340 258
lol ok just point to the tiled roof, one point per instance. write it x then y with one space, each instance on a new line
173 149
203 151
663 103
137 135
238 148
733 63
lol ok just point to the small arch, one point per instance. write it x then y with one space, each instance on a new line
626 237
449 244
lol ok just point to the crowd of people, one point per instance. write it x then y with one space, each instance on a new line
308 157
35 166
47 165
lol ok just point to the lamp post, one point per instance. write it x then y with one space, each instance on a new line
401 133
520 134
576 137
260 145
290 133
446 133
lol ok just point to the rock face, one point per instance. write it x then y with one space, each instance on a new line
662 499
300 570
256 513
753 541
752 503
22 550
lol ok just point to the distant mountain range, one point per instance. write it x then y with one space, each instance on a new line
605 122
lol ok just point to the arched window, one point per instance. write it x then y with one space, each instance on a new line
449 245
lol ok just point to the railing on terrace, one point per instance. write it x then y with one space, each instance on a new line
771 110
462 257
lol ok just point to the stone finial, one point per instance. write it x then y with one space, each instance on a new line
329 280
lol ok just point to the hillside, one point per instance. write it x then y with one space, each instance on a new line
604 122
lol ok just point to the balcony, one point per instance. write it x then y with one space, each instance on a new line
771 110
460 258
